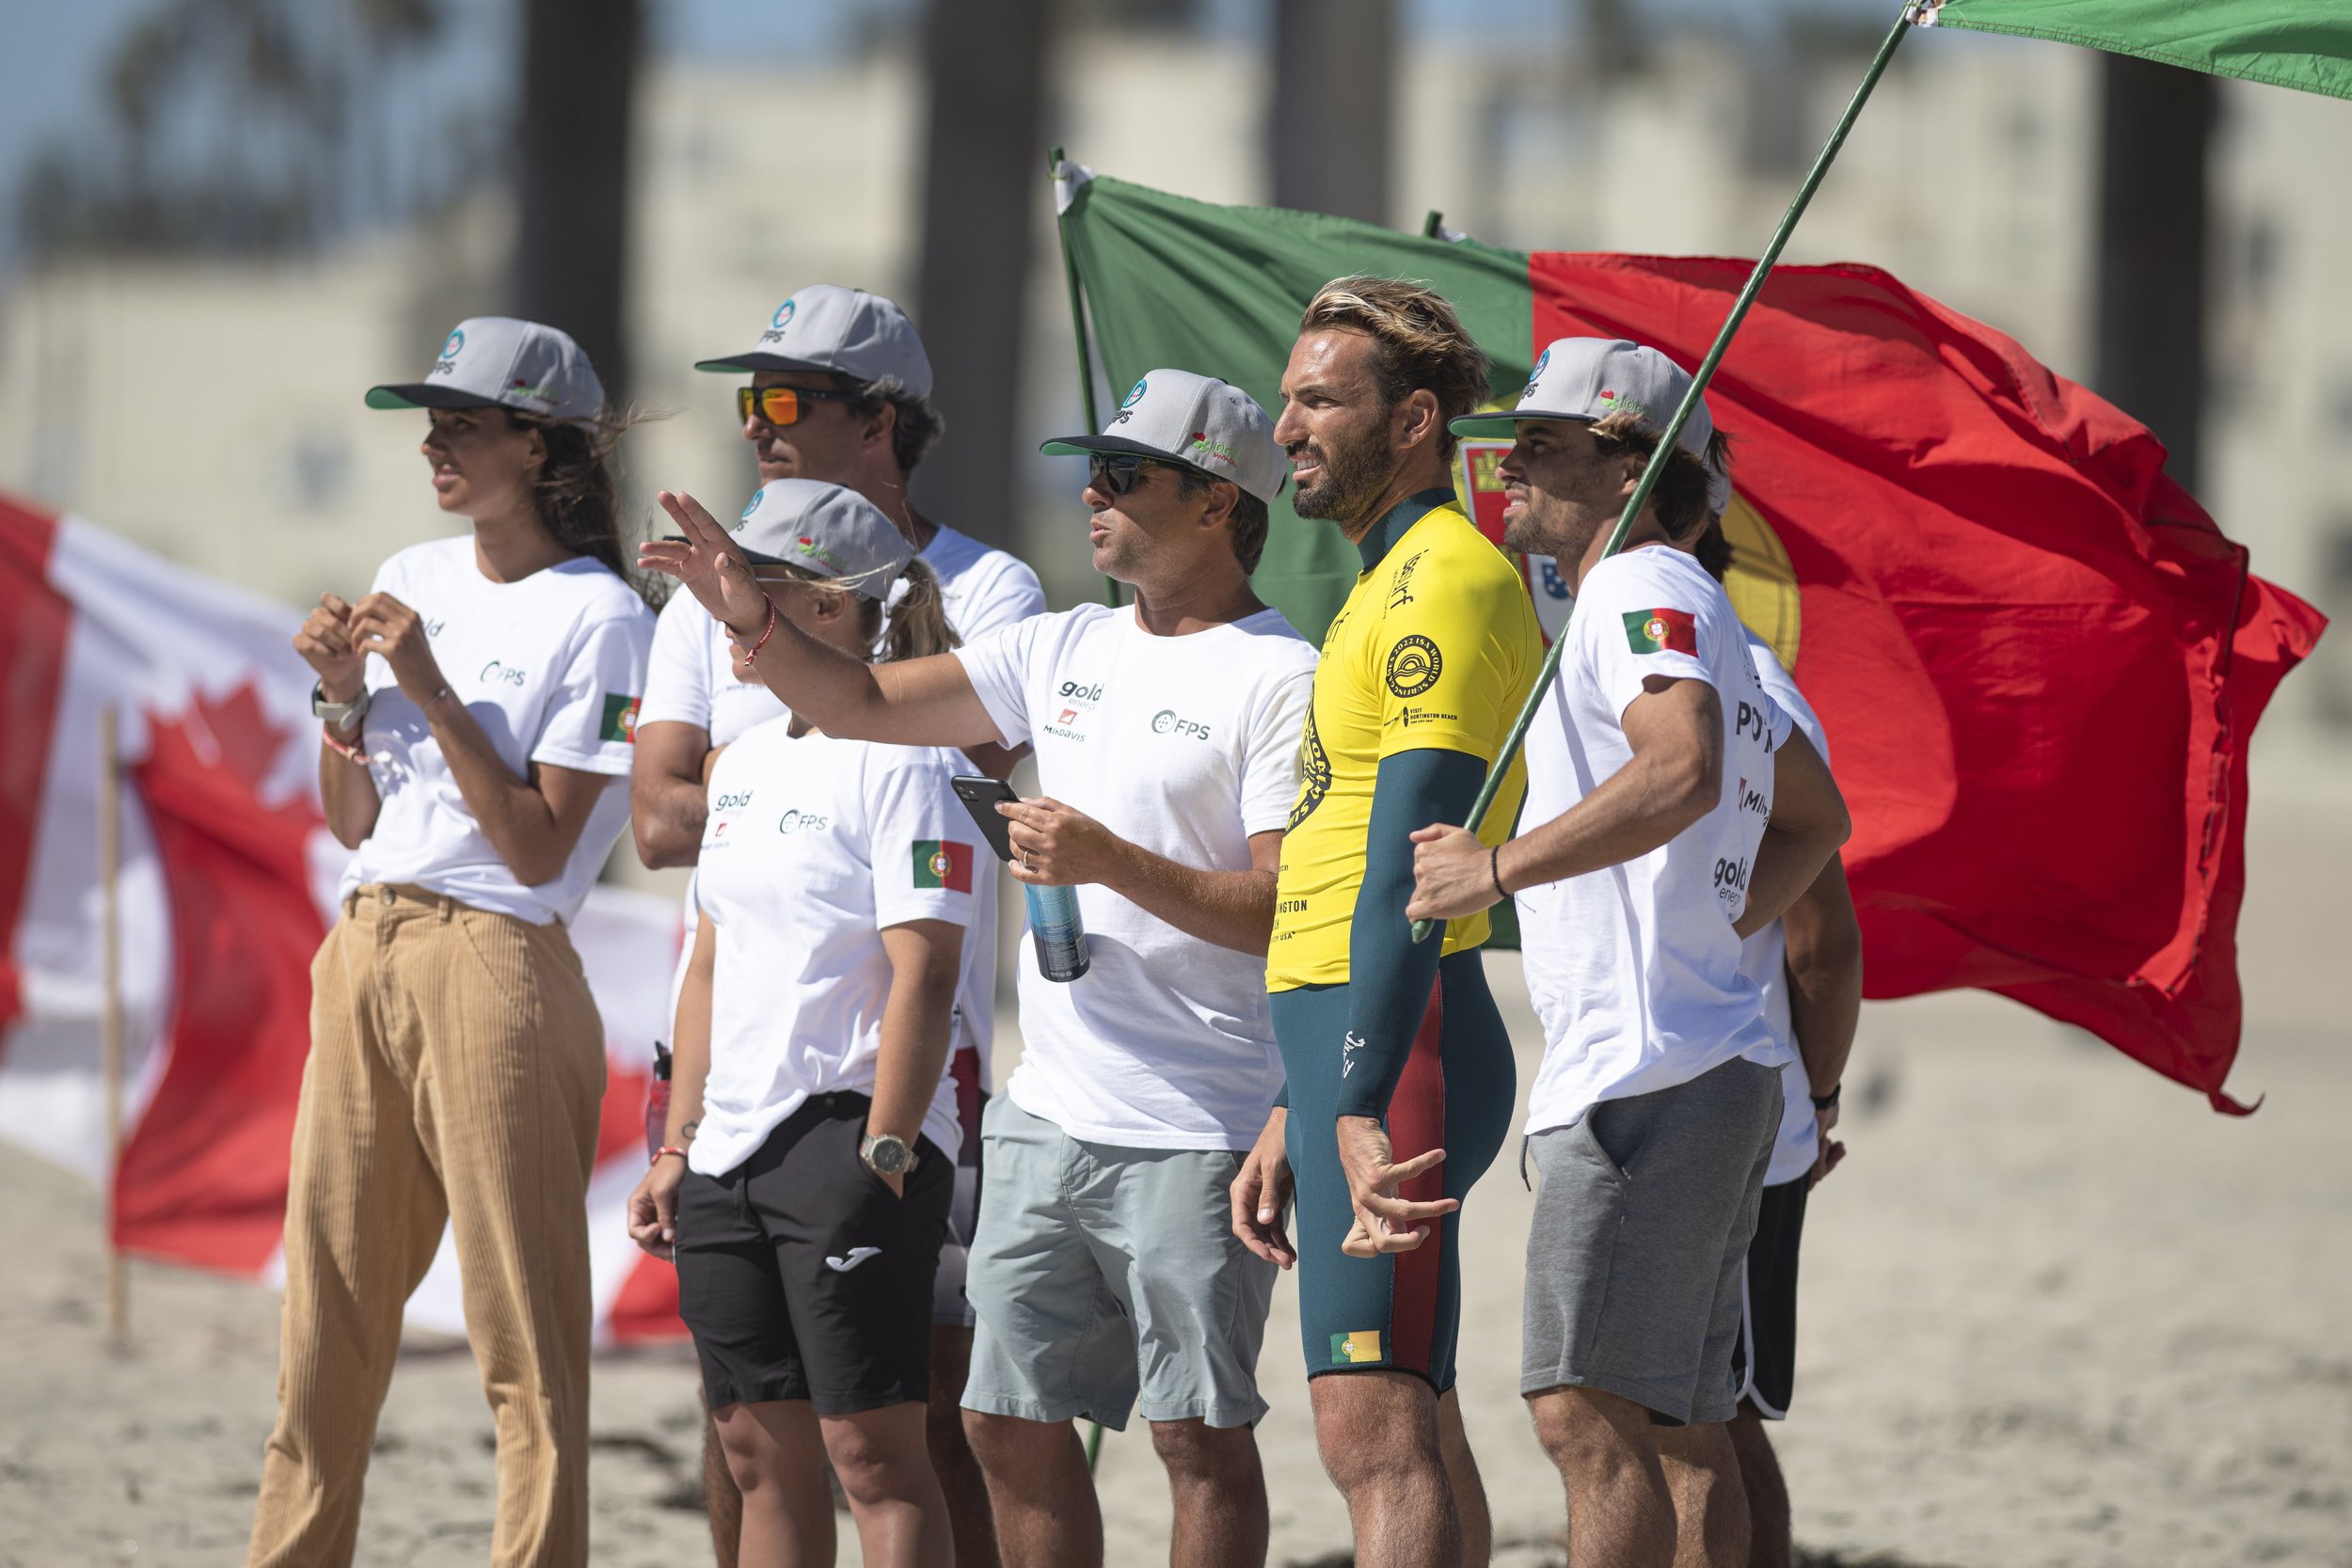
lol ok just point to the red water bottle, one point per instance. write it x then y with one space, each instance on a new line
658 1101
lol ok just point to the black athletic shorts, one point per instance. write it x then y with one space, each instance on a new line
804 1277
1764 1358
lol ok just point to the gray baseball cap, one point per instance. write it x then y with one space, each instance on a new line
848 331
497 361
827 529
1587 379
1718 491
1198 420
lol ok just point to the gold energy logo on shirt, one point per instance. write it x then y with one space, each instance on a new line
1414 665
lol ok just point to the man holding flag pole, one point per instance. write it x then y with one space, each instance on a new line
1672 810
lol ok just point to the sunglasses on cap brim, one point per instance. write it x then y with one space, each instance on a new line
781 406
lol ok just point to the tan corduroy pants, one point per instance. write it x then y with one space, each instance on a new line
456 1067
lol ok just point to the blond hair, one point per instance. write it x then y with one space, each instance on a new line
917 629
1418 342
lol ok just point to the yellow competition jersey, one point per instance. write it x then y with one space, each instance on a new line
1435 649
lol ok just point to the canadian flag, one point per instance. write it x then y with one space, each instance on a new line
227 887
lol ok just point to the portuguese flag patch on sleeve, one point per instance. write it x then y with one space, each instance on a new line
943 863
620 719
1661 631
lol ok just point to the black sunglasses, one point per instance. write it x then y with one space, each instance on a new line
1116 474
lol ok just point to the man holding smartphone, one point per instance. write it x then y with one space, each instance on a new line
1105 1273
840 392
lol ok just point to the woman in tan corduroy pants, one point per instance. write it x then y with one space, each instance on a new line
478 704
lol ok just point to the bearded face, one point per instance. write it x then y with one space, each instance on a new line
1343 474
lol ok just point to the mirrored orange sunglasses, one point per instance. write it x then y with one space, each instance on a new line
781 406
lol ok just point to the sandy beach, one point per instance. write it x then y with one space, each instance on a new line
2056 1314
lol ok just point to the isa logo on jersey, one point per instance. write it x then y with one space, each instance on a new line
942 863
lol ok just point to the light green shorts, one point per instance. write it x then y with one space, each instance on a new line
1104 1277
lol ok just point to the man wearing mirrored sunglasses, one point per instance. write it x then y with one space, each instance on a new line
840 392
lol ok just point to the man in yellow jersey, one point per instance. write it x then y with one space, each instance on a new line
1400 1074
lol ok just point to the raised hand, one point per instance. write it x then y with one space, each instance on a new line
711 566
1384 1221
325 644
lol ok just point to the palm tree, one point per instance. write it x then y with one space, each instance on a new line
983 181
1331 131
579 78
2158 126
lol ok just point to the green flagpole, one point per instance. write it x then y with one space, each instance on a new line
1422 930
1053 160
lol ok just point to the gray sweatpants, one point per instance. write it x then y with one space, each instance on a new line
1633 1261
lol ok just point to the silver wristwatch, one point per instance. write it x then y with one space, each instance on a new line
887 1154
343 716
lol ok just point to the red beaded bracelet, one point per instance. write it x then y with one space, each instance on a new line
327 734
665 1148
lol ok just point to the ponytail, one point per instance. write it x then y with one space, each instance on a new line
917 627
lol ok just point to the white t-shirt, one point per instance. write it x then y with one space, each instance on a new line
691 678
812 847
1184 746
551 667
1635 969
692 682
984 589
1764 959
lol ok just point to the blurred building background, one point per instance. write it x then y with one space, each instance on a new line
227 217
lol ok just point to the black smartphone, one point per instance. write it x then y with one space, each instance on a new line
980 796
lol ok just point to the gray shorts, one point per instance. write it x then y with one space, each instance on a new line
1100 1273
1633 1261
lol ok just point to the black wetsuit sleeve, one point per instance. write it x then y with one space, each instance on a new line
1389 975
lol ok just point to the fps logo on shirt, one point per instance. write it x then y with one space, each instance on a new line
1167 721
1414 665
620 719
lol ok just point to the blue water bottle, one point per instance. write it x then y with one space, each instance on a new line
1061 935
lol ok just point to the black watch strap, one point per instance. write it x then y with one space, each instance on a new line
1829 1101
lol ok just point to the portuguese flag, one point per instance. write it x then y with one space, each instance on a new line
942 863
2038 661
1661 631
2288 43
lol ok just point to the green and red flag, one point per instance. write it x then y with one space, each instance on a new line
2287 43
942 863
2038 661
1661 631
